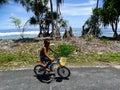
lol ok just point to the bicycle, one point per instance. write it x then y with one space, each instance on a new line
58 65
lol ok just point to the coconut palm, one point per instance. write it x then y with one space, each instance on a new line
110 13
91 26
48 20
58 2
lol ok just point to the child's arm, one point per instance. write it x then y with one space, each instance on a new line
38 50
53 50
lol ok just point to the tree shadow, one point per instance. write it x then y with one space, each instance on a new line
109 38
48 78
26 40
29 40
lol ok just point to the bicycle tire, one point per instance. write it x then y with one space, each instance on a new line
39 70
63 72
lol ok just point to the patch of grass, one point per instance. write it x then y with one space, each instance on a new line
89 38
106 41
93 59
82 59
111 57
4 58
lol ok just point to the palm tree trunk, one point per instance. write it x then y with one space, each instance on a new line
97 18
51 5
114 28
97 4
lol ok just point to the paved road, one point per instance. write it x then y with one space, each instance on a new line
83 78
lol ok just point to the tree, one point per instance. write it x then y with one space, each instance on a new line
48 21
16 21
91 26
3 2
39 8
58 2
109 15
18 25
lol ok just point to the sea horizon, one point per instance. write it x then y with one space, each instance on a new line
6 34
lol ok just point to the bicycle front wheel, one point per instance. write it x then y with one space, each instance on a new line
63 72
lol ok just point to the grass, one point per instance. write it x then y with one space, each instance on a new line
26 54
106 41
94 59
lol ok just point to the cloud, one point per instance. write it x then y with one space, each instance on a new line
77 9
12 15
90 2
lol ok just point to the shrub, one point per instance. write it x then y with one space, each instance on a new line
65 49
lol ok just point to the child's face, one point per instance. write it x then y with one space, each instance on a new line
48 43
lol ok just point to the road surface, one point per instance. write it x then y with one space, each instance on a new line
81 78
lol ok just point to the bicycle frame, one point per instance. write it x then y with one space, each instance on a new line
59 63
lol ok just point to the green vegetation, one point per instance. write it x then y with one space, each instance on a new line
111 57
16 57
7 58
106 41
26 54
73 59
65 49
94 59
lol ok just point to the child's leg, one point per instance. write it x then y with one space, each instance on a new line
42 63
48 63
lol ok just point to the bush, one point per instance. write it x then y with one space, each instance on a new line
65 50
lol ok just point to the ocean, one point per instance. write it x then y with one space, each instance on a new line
31 33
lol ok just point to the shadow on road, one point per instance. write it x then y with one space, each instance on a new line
48 78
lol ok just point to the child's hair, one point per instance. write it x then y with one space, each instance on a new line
46 41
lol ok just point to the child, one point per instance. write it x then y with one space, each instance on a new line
44 57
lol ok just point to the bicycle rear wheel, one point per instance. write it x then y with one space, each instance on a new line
63 72
39 70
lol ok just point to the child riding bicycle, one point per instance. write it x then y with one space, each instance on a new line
44 57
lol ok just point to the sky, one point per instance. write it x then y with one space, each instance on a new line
76 12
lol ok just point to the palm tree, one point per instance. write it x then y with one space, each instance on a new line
58 2
110 13
97 4
48 21
38 7
51 6
3 2
17 23
91 26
